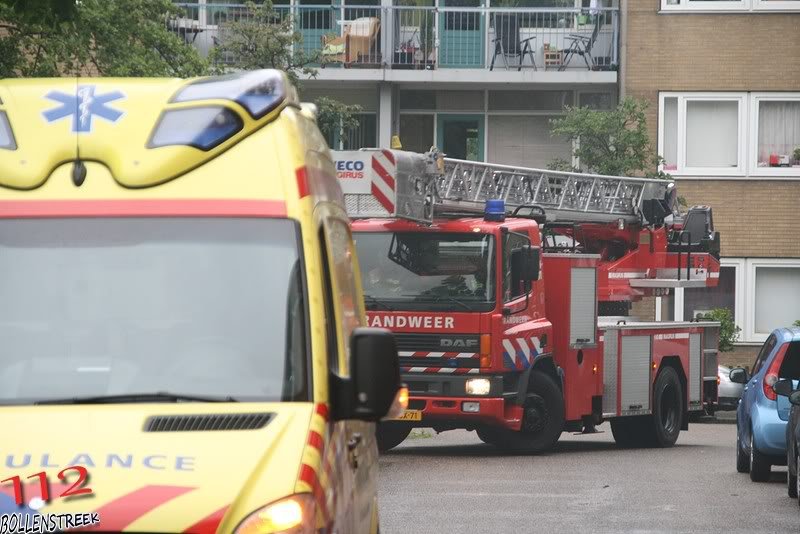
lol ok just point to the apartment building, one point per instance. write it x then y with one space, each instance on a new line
481 79
723 81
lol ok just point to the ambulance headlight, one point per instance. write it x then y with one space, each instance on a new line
259 92
6 135
293 515
200 127
478 386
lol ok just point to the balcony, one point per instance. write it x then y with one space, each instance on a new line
433 43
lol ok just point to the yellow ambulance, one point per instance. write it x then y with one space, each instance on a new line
181 313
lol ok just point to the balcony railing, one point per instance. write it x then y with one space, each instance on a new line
425 37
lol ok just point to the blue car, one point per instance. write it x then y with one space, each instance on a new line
760 421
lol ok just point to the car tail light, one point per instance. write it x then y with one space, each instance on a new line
772 373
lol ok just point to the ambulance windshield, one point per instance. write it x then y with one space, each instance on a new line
427 271
188 306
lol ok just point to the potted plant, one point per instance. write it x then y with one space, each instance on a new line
796 156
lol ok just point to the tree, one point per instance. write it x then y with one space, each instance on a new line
728 331
611 142
264 37
119 38
797 323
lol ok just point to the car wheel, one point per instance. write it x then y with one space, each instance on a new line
742 459
390 435
791 480
797 480
759 466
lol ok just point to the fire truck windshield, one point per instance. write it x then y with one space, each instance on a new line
203 307
427 270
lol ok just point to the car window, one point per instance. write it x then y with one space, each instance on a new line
790 368
765 351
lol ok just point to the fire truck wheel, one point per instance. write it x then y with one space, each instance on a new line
627 432
542 419
390 435
665 423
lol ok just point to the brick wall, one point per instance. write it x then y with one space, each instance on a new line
722 52
740 356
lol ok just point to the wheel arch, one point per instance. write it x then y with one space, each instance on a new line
545 365
674 362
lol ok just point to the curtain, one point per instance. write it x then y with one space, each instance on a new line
712 134
778 129
777 297
670 133
525 141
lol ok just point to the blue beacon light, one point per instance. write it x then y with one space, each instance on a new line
495 210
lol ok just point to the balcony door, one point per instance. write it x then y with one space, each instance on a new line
461 136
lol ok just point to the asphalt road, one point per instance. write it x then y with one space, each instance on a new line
453 483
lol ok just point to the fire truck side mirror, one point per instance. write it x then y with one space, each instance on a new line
525 261
368 393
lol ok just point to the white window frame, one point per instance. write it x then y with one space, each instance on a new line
744 315
755 100
750 291
731 6
684 97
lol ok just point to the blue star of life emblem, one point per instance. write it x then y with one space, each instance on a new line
82 107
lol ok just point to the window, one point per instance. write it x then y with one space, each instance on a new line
199 306
348 301
763 293
525 141
530 100
730 5
603 101
712 134
776 296
702 134
730 135
700 301
416 132
513 288
776 135
427 271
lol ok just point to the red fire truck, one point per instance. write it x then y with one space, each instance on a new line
509 292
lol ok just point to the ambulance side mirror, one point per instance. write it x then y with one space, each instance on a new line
374 379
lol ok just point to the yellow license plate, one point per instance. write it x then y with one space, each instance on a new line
411 415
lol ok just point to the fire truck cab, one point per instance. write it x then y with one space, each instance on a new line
494 280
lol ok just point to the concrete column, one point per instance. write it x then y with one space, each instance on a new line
387 33
679 304
385 115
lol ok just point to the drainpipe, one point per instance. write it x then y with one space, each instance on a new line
623 48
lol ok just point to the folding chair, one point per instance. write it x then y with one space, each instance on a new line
508 43
582 45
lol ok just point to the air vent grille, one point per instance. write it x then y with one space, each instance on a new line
207 422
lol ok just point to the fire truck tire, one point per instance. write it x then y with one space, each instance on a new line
390 435
628 432
665 423
542 419
759 465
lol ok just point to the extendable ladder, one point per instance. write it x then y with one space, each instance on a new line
418 186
